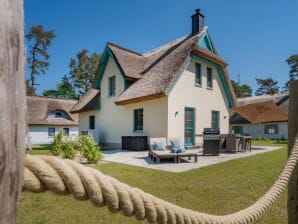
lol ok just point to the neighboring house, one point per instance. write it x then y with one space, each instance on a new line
270 130
47 116
176 90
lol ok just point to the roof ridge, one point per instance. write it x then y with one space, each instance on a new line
52 98
262 96
173 42
162 47
125 49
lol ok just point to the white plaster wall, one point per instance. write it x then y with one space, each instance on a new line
114 121
255 129
39 134
186 94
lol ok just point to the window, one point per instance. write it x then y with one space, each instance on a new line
51 132
84 132
215 119
237 129
91 122
112 86
198 74
271 129
209 77
138 120
58 114
65 131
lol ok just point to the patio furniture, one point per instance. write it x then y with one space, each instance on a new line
163 154
135 143
167 154
158 155
246 142
233 143
189 154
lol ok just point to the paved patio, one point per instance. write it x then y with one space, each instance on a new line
140 158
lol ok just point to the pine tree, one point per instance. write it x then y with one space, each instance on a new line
266 87
38 58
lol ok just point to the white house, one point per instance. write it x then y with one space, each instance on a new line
175 90
269 130
47 116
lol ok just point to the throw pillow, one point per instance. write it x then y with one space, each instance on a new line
160 146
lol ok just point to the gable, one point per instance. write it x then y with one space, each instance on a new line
107 54
223 79
205 42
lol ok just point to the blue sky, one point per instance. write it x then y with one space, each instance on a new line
255 37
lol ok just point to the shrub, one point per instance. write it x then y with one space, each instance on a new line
63 147
87 146
68 150
57 144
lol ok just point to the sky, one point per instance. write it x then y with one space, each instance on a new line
254 37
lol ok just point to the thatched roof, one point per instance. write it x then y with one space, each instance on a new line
88 102
155 72
39 109
281 100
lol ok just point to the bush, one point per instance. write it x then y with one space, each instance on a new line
63 147
87 146
57 144
68 150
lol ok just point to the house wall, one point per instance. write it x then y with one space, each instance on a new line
39 134
186 93
112 121
255 129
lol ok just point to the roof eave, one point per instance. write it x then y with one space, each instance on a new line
209 57
141 99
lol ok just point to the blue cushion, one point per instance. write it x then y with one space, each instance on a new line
176 143
177 150
159 146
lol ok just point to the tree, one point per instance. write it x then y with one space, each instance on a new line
64 90
38 58
82 70
266 87
241 91
30 90
292 61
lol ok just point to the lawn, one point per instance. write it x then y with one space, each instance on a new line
218 189
41 149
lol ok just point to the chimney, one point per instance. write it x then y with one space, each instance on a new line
197 22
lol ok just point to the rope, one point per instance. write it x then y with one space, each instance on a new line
68 177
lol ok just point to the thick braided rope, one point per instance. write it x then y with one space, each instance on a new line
68 177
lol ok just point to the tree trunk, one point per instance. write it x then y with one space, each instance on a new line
12 107
292 135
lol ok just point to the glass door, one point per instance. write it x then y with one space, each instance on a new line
189 121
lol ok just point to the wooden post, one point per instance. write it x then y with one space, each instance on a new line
292 134
12 107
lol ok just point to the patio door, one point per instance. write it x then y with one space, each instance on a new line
189 127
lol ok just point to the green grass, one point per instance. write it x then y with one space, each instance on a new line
268 142
219 189
40 149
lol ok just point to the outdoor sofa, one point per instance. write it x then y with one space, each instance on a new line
167 153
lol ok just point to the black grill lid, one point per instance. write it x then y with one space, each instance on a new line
208 131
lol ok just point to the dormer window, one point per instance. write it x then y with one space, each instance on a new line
58 114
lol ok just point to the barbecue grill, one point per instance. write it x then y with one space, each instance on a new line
211 145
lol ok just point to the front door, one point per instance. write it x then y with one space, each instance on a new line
189 127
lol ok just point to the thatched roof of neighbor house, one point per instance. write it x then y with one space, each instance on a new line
39 109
